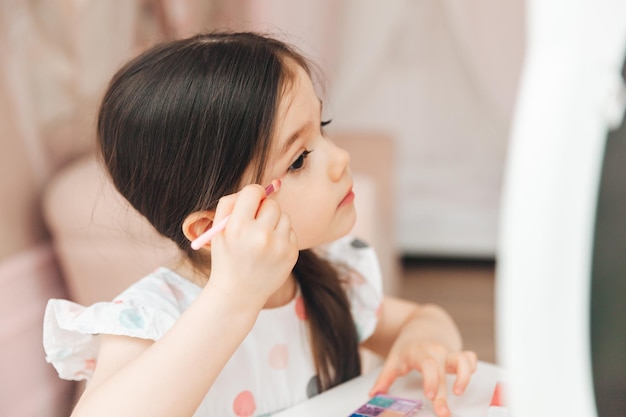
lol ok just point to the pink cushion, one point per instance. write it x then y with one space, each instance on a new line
28 385
102 243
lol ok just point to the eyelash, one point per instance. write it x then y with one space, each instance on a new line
298 164
325 123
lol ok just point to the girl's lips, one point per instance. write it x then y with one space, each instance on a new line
349 198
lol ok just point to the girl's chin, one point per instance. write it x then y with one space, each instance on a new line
320 241
337 231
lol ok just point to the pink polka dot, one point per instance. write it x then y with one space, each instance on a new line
279 356
90 364
300 309
81 375
178 293
171 289
356 279
244 404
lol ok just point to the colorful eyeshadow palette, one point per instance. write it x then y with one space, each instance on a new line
387 406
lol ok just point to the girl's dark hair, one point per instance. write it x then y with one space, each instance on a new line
177 128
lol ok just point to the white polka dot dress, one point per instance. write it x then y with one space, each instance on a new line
271 370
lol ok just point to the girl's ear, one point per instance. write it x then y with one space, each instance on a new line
197 223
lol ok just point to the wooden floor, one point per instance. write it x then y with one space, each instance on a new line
464 288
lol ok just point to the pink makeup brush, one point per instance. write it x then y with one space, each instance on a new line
206 237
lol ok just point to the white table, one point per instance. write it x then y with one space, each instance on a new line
344 399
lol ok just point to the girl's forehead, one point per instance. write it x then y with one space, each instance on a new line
296 78
298 111
298 100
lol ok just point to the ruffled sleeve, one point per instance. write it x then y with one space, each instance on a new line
363 278
70 331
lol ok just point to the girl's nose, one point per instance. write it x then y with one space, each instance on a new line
339 163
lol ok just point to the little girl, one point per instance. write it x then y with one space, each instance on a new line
275 307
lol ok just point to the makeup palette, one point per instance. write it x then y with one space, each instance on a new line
388 406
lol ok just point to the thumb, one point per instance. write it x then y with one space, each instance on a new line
386 378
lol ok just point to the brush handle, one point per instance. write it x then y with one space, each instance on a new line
206 237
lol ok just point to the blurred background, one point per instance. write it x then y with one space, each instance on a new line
435 81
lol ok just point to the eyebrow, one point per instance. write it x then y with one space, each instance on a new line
295 135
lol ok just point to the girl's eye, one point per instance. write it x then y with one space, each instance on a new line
299 163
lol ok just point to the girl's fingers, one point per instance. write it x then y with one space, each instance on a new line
473 359
224 207
430 374
248 201
434 364
433 371
463 369
390 372
283 227
440 405
269 213
434 368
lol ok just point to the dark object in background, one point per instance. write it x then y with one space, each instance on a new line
608 284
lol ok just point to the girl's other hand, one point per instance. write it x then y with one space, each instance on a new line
256 252
421 337
434 361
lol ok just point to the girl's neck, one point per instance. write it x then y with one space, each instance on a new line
284 295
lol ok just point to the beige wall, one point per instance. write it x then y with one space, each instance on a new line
49 85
